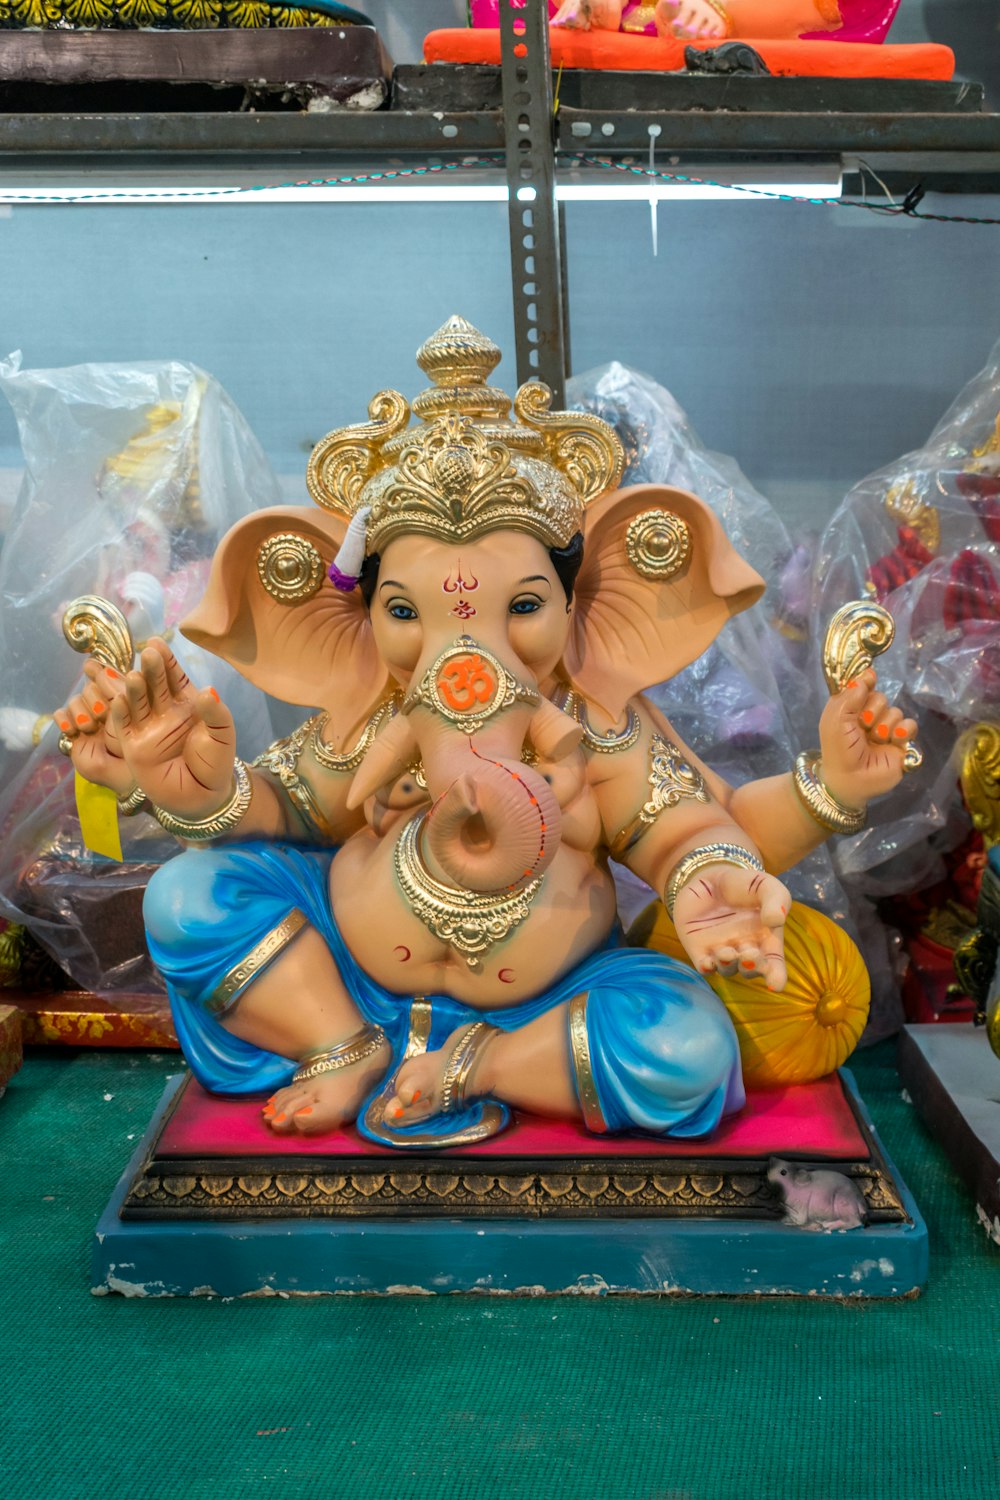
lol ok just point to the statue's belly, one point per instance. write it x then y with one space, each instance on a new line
570 916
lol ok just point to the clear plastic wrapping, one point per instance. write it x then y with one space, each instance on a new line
131 476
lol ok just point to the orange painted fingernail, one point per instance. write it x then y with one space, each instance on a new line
110 671
867 716
747 963
64 725
83 718
900 732
398 1114
853 682
882 732
278 1118
98 707
214 694
306 1111
416 1096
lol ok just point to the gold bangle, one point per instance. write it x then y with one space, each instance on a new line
355 1048
199 830
132 802
697 859
819 801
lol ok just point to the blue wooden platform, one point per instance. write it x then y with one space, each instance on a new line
635 1256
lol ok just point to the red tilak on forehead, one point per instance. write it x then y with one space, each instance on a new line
459 585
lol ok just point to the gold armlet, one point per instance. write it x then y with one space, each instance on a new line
697 859
355 1048
819 801
200 830
281 760
671 779
133 802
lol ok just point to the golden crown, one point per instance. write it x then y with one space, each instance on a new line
466 468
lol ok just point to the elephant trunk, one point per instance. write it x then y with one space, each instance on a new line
496 825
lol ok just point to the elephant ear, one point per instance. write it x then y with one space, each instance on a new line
270 611
658 582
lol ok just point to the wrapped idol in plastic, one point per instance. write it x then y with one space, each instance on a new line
131 476
921 538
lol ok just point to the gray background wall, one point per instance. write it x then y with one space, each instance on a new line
813 343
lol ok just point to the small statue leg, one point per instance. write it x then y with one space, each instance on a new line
322 1015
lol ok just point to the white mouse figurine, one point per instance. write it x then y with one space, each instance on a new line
818 1199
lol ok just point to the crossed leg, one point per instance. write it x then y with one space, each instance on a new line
298 1005
529 1068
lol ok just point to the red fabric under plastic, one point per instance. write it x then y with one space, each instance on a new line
812 1119
621 53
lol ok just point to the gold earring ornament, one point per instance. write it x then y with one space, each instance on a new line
290 568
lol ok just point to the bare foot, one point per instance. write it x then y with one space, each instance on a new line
420 1080
327 1102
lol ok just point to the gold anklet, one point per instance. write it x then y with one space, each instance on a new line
460 1065
363 1043
707 854
471 921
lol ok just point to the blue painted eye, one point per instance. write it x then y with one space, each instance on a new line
402 612
525 606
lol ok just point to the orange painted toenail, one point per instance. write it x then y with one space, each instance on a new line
747 963
416 1096
398 1114
882 732
83 718
900 732
867 717
98 707
278 1118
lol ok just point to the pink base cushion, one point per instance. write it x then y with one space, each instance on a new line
813 1119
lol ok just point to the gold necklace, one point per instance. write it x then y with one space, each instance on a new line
349 760
602 744
471 921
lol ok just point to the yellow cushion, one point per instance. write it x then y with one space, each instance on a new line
813 1025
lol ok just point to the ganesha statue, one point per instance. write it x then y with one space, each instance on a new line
718 20
402 915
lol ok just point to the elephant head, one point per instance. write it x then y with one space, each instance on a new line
500 566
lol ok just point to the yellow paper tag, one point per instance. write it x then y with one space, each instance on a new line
97 807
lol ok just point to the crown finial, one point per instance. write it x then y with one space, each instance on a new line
459 360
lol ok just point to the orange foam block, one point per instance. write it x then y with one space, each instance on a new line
618 52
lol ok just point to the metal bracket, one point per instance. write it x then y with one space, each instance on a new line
537 266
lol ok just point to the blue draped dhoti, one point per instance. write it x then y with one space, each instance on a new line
663 1052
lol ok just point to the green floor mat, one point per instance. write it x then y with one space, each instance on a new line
586 1398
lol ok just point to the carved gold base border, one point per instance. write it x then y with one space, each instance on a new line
674 1189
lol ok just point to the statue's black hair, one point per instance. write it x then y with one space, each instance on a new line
565 561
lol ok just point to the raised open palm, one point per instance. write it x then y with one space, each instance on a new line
732 921
179 745
863 740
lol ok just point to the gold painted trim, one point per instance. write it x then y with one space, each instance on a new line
471 922
586 1086
494 1116
257 960
338 1188
671 778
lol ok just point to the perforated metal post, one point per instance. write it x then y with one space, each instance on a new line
540 321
